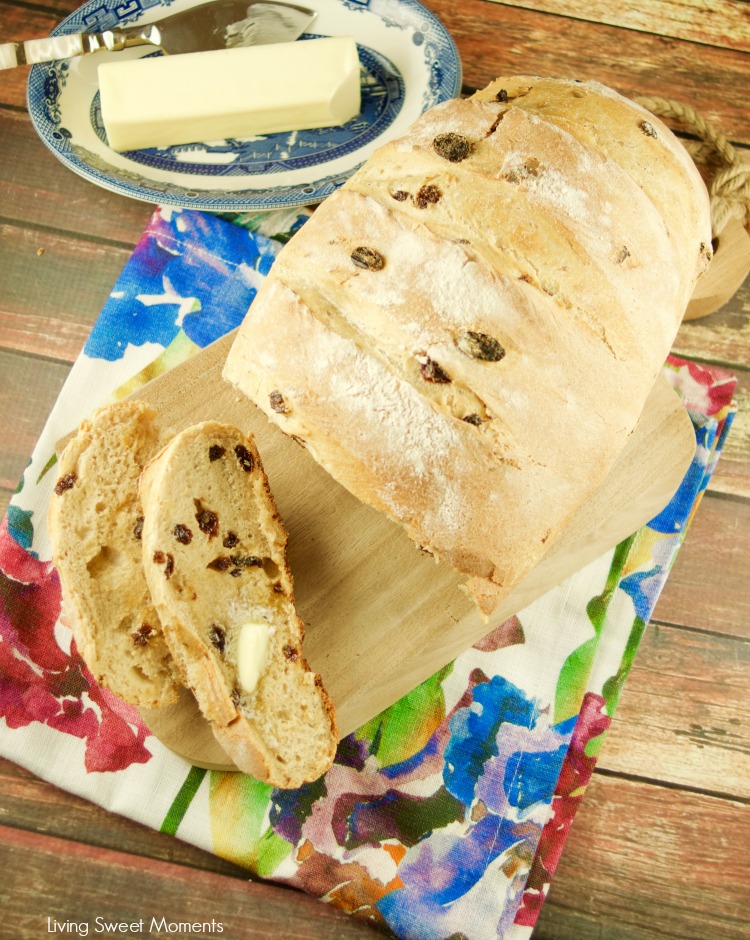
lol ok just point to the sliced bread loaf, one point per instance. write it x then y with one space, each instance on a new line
95 523
464 335
214 555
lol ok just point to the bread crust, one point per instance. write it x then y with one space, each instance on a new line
214 555
465 334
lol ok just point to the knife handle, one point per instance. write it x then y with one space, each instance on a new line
40 50
64 47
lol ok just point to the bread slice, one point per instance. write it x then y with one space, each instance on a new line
94 523
214 554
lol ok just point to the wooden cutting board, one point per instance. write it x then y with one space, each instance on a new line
728 269
380 616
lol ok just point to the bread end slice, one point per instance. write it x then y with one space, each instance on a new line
94 522
214 555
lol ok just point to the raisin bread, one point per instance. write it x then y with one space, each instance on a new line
95 524
465 334
214 554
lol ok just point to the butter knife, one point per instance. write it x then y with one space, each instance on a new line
214 25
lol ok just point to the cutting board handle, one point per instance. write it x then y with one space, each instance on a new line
727 175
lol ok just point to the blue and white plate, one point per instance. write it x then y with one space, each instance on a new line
409 63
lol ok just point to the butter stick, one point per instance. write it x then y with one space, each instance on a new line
240 92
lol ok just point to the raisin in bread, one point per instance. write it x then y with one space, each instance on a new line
214 554
465 334
94 524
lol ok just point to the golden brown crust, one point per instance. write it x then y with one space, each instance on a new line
465 334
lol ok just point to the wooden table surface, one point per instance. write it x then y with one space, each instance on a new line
661 845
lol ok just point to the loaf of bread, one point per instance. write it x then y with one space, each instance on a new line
94 524
465 334
214 554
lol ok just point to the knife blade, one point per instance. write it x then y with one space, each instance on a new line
214 25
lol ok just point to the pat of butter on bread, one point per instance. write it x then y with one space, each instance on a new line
168 100
252 653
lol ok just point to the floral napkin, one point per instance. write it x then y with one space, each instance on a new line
443 817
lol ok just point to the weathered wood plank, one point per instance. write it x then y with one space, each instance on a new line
119 887
27 394
495 39
37 806
648 863
723 336
713 22
21 332
57 8
732 475
708 586
36 188
52 288
684 716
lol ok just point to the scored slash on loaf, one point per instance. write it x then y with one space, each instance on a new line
465 334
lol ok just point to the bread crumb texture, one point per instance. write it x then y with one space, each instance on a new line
95 523
214 554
